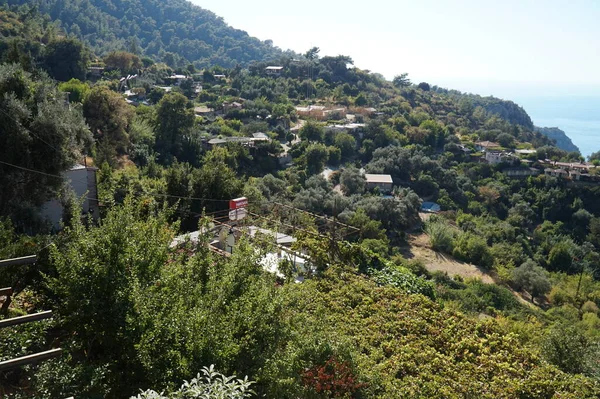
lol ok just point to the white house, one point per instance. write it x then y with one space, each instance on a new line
82 181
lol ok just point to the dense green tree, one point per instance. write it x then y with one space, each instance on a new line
312 131
174 119
66 59
401 80
346 143
109 118
532 278
352 181
506 140
316 157
123 61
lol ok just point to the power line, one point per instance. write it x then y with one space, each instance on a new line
144 193
32 170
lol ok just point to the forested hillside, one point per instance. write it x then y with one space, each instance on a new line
359 190
174 31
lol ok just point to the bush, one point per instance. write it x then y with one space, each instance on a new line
474 249
441 235
478 297
209 384
401 277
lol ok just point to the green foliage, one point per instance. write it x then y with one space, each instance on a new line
570 350
472 248
125 62
479 297
400 345
66 59
312 131
109 118
174 119
315 157
77 90
441 235
532 278
352 181
39 132
168 30
400 277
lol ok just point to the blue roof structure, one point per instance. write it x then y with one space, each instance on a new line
430 207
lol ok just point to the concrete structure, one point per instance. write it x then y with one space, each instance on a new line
383 182
82 181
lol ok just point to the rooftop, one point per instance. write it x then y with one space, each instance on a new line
372 178
487 144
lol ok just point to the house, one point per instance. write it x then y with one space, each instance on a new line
177 79
575 174
260 136
430 207
81 180
204 111
556 172
486 145
314 111
232 105
95 71
525 152
521 172
493 158
383 182
274 70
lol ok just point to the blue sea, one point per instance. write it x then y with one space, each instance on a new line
577 116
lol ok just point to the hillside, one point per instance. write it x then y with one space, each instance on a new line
174 31
339 282
560 137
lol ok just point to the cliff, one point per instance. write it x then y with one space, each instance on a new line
562 140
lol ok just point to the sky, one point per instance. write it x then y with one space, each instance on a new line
505 48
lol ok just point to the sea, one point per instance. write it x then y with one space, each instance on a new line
577 116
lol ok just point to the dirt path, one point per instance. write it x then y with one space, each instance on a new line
435 261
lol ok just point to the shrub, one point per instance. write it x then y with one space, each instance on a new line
401 277
471 248
208 384
441 235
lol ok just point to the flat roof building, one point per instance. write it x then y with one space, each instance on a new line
383 182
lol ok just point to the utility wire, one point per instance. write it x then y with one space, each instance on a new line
29 131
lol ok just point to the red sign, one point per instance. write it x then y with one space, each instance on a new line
238 203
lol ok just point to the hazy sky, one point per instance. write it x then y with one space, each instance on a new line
503 47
